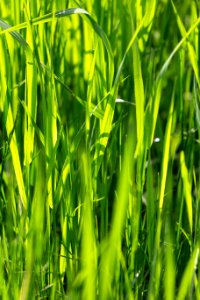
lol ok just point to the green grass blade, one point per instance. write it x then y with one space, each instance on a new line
10 123
113 244
89 251
31 95
187 189
183 291
166 149
178 46
191 51
139 99
106 124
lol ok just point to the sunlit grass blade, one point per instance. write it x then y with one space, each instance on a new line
113 244
14 33
186 282
67 12
191 51
139 98
150 208
15 157
170 273
151 114
187 189
31 94
166 149
150 8
10 123
106 123
35 237
178 46
89 251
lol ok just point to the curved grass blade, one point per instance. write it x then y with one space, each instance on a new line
151 117
191 51
106 124
31 89
63 13
178 46
14 33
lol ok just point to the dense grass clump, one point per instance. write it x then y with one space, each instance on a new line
99 149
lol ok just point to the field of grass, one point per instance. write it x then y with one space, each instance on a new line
99 149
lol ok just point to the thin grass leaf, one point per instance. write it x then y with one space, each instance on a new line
14 33
106 123
139 99
170 274
192 53
110 257
166 149
31 94
9 124
178 46
150 9
187 189
150 208
60 14
183 291
89 251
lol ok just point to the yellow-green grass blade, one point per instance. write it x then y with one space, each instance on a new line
35 240
14 33
170 267
187 189
111 253
151 117
156 264
67 12
51 131
139 99
150 208
188 275
37 129
89 93
106 124
151 114
178 46
9 123
150 9
31 93
94 109
31 82
89 251
138 83
166 153
3 268
15 158
150 13
139 11
191 50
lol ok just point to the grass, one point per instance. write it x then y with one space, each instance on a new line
99 149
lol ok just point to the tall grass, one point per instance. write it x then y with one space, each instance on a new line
99 149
